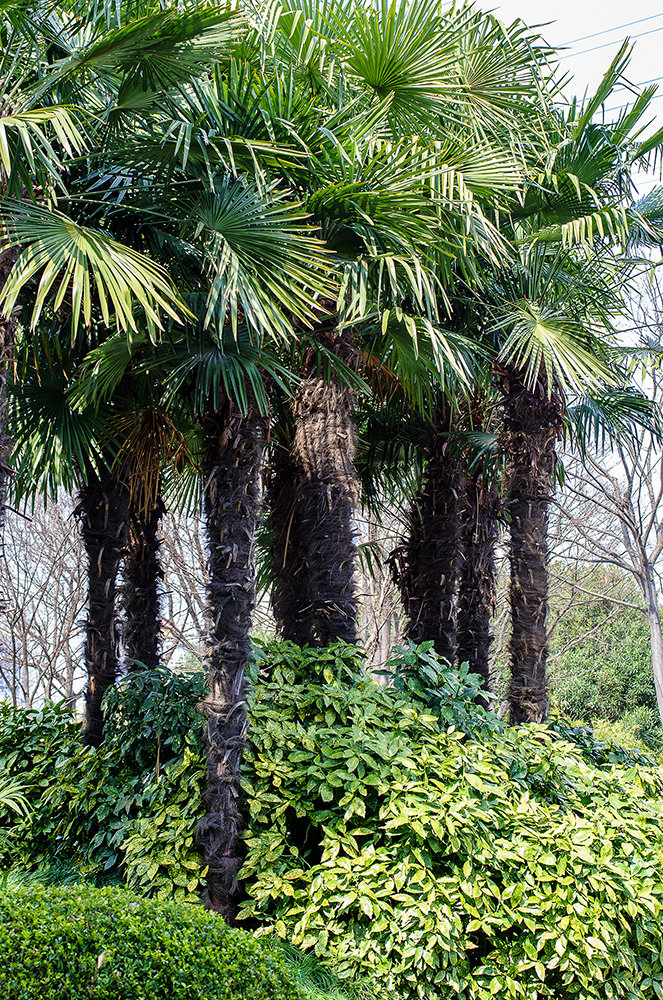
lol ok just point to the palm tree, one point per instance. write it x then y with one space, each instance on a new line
549 323
382 213
428 564
556 328
71 267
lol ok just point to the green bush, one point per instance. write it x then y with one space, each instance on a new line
400 834
505 865
123 812
108 944
606 676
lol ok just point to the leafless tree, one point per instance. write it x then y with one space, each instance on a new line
43 578
611 509
381 617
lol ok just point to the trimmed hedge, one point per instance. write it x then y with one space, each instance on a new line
110 944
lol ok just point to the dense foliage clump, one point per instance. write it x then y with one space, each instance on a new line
502 864
66 944
398 832
125 811
601 670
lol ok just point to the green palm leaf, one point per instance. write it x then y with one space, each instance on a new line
262 258
158 50
27 154
81 267
551 347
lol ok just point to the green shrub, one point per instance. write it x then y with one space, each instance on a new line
123 812
108 944
400 834
606 676
506 865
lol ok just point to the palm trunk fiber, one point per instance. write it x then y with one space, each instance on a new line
141 599
427 566
231 471
531 424
7 328
102 512
476 590
312 500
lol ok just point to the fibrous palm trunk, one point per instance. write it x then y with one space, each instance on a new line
102 511
476 590
231 475
7 328
312 499
427 566
141 598
531 424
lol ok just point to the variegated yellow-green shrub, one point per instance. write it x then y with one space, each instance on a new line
400 834
501 864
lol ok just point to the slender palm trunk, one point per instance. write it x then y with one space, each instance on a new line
312 501
291 599
7 328
102 511
476 591
231 471
530 428
427 566
141 598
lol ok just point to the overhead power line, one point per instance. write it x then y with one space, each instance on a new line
606 45
617 27
620 107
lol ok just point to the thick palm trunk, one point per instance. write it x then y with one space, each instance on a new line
476 591
312 501
231 474
141 598
427 566
291 599
103 512
530 428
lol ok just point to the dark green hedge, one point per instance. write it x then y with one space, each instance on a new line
109 944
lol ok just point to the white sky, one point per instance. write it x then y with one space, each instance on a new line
568 22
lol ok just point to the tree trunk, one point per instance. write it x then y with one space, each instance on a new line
312 500
476 592
531 425
427 566
655 635
291 598
141 599
231 471
102 512
7 329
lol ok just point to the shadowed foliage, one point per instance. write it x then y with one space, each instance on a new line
231 480
531 425
103 512
312 497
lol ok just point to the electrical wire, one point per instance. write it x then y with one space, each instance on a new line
606 45
617 27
